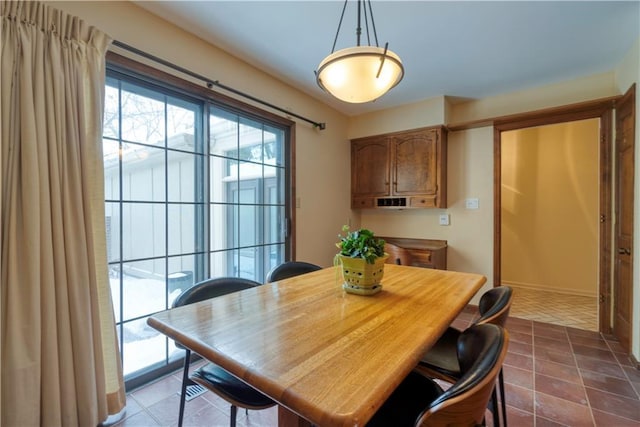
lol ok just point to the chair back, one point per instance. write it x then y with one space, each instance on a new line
212 288
397 255
494 305
481 352
290 269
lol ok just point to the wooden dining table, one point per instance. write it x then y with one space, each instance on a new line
327 357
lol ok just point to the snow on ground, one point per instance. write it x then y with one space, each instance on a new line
143 345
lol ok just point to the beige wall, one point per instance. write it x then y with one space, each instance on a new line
429 112
470 170
470 167
470 233
322 157
322 175
550 207
553 95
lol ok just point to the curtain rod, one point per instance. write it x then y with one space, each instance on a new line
211 83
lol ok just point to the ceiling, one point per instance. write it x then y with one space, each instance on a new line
462 49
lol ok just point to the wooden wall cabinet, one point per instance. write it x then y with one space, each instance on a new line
400 170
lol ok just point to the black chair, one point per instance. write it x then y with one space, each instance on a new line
420 401
212 376
441 361
290 269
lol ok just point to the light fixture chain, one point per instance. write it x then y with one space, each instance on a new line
359 27
333 48
373 24
366 22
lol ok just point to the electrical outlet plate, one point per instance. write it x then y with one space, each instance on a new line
472 203
444 219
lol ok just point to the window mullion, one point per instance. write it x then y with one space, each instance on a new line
206 222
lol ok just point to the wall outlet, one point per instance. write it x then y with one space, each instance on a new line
444 219
472 203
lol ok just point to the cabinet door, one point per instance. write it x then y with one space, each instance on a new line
415 165
370 167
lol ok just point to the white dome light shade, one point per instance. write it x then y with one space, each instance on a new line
351 74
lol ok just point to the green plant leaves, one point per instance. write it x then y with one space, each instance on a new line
360 244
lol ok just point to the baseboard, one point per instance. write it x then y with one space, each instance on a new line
544 288
634 361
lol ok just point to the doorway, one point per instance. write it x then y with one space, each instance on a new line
550 222
600 111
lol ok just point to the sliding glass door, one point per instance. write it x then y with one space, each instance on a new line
192 190
247 225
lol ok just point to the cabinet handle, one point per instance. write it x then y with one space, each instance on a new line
624 251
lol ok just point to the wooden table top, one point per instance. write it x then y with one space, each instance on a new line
326 355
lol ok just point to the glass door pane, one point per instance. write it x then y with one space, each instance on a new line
185 200
153 151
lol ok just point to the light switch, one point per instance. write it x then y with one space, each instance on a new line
444 219
472 203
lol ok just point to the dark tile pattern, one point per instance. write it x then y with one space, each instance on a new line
555 376
580 378
157 403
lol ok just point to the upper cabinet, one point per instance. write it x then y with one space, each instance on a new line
370 167
400 170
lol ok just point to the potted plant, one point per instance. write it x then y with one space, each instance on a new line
362 258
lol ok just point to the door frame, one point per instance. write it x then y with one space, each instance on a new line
601 109
625 106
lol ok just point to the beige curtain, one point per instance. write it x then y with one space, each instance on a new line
59 355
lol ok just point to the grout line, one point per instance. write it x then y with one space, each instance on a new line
612 394
584 387
528 306
624 372
533 374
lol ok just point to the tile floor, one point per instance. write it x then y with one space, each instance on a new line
554 376
576 311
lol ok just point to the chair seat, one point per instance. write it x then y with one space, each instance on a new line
415 393
419 400
442 357
441 360
213 376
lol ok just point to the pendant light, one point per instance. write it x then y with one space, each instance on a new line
361 73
